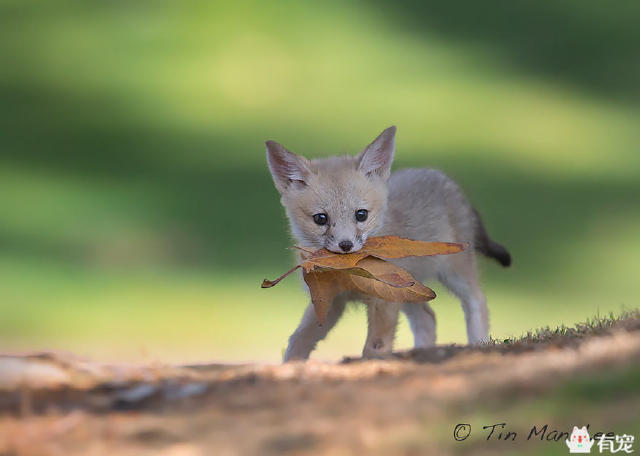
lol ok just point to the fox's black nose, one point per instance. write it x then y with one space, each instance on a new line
346 245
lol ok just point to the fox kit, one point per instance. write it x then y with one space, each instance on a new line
338 202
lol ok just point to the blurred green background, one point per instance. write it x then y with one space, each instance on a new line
137 215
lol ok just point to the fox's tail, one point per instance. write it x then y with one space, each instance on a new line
488 247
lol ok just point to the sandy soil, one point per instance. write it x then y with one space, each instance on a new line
53 404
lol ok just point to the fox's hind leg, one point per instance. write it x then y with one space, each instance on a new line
461 278
422 321
309 332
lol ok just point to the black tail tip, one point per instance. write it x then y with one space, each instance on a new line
504 260
501 254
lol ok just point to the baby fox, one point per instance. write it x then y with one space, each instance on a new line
338 202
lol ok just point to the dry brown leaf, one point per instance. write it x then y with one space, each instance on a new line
370 267
326 259
388 247
385 247
325 285
366 271
383 271
415 293
266 283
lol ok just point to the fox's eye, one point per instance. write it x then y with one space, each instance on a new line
320 219
361 215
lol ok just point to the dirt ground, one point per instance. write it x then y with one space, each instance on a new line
53 404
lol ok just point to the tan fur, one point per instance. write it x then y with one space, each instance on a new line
421 204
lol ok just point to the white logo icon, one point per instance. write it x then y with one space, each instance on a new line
579 441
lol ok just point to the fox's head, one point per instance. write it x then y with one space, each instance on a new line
337 202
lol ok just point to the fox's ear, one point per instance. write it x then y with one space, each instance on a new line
575 429
377 157
288 169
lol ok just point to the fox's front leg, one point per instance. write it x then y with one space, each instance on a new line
422 321
309 332
462 279
383 319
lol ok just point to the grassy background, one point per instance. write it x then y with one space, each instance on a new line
137 216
